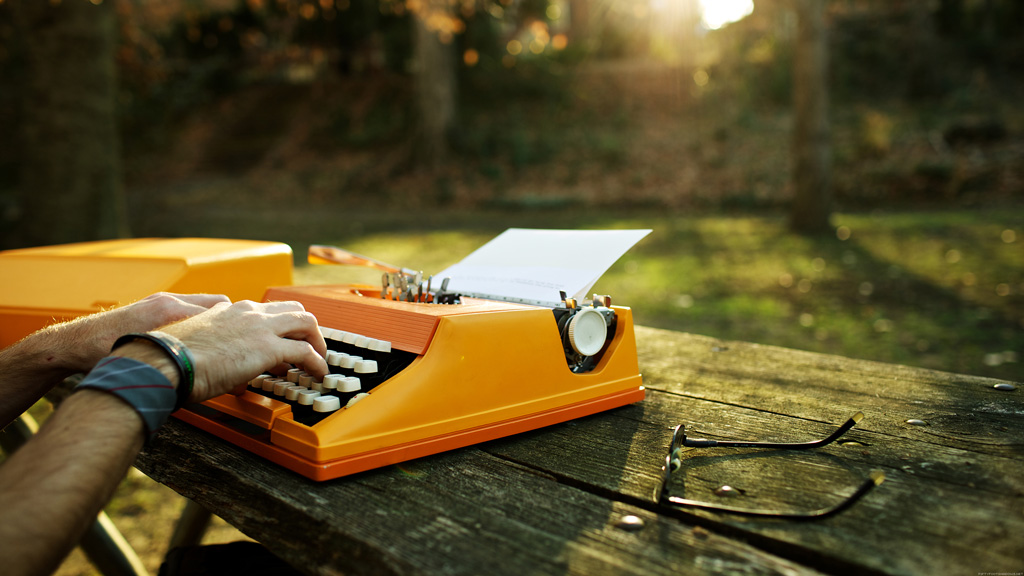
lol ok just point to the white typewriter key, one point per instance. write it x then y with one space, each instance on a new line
350 361
362 342
304 410
257 382
334 358
349 338
268 384
323 407
326 404
382 346
317 387
366 367
325 332
280 387
306 380
294 373
356 398
292 393
349 384
306 397
332 382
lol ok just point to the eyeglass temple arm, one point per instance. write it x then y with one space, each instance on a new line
703 443
876 478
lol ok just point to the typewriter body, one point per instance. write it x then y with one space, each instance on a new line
450 370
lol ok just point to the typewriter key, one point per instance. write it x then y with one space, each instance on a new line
293 375
347 388
349 343
323 407
349 362
280 387
257 383
367 372
268 386
304 410
379 350
330 384
332 338
291 394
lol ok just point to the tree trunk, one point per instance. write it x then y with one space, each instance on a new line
579 20
434 74
70 176
812 153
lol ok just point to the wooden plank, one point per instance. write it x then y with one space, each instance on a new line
953 500
961 411
464 512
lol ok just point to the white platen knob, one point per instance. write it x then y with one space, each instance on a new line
587 332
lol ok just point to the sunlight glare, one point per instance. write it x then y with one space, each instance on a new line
718 13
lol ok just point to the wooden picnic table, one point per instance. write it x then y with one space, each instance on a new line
560 500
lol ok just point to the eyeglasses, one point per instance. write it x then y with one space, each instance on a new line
673 463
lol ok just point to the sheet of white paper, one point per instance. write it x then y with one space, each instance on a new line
534 265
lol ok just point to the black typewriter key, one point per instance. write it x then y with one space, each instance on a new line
323 407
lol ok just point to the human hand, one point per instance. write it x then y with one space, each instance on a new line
89 338
233 343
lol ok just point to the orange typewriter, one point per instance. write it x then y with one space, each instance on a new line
414 370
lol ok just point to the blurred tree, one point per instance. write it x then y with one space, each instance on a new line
812 153
70 173
434 78
579 20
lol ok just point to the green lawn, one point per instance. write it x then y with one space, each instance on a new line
941 290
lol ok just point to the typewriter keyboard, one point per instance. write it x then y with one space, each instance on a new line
357 365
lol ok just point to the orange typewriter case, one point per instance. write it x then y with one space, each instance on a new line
469 372
57 283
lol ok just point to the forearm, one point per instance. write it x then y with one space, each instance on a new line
52 489
33 366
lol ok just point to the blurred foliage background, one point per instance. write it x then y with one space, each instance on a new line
333 121
415 130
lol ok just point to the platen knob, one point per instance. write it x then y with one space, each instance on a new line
587 332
